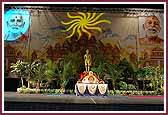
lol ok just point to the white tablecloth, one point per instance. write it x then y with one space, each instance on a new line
91 89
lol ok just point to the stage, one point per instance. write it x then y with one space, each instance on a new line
44 102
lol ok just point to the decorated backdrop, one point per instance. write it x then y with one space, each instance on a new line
49 34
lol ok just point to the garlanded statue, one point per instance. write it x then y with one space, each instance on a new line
87 58
90 83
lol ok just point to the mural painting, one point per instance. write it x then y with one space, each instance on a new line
47 34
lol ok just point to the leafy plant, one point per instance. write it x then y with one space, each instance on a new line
98 58
63 70
19 68
74 59
154 74
100 70
131 87
114 71
128 69
122 85
143 74
39 73
50 69
31 67
99 62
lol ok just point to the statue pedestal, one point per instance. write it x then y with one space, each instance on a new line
88 89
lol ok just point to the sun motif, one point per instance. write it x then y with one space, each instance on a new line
83 22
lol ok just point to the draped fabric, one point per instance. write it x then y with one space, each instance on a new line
48 35
46 29
81 88
102 88
91 89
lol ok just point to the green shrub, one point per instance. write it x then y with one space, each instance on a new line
145 93
159 92
57 91
117 92
111 92
122 85
130 92
131 87
134 92
19 90
72 92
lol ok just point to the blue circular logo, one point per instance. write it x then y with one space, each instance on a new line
16 23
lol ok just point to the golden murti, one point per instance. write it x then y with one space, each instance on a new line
87 58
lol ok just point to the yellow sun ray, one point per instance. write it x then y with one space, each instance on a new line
97 17
93 15
73 32
83 14
88 15
93 28
83 22
71 27
89 34
70 16
67 23
100 21
79 33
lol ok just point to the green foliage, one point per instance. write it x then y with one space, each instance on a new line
122 85
31 70
42 91
114 72
20 69
23 87
100 70
50 69
128 69
117 92
111 92
160 91
43 71
68 67
98 58
130 92
63 72
143 74
154 74
75 61
34 71
99 61
39 71
131 87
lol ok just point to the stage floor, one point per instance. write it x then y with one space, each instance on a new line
145 103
